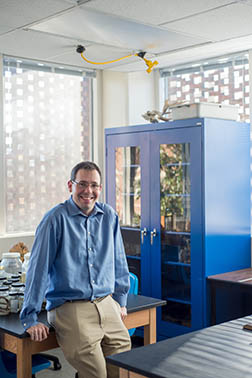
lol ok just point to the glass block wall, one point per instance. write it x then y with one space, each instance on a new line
222 80
47 130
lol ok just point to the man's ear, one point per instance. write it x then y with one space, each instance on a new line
70 186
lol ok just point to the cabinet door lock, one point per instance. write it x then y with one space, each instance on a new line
143 234
153 234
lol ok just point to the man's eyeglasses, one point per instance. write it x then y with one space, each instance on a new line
85 185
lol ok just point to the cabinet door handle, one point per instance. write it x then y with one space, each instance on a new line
143 234
152 235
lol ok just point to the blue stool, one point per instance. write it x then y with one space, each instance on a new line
8 364
133 290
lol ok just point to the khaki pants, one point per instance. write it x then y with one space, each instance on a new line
87 332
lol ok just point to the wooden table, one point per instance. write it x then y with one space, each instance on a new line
141 312
221 351
240 279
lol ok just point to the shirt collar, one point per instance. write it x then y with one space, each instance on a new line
73 209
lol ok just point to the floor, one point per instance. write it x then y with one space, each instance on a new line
66 370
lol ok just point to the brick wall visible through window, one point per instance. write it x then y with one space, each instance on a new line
47 127
223 80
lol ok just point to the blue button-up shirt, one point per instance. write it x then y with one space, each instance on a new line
75 256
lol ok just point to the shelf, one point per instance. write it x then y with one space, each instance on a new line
130 228
131 166
178 300
176 164
176 233
176 263
178 195
133 257
129 194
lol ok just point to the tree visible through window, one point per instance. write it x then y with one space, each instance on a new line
47 129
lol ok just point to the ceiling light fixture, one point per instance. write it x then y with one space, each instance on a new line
80 49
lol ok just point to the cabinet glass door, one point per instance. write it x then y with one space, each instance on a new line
128 202
177 247
126 194
175 225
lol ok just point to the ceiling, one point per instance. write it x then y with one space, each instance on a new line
171 32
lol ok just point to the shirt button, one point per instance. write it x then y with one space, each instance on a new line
88 233
91 265
90 249
93 281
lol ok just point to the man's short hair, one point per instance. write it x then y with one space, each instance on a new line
87 165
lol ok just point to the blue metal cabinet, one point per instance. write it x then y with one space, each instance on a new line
182 192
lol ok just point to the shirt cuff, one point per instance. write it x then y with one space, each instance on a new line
28 322
121 299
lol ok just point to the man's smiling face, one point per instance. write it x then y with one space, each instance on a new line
85 189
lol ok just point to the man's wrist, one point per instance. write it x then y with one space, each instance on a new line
28 323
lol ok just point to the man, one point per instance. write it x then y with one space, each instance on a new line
78 260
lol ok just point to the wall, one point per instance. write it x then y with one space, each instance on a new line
126 96
8 242
115 99
143 95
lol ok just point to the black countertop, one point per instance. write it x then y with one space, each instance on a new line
12 325
221 351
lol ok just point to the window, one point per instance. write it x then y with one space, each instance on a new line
47 130
222 80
